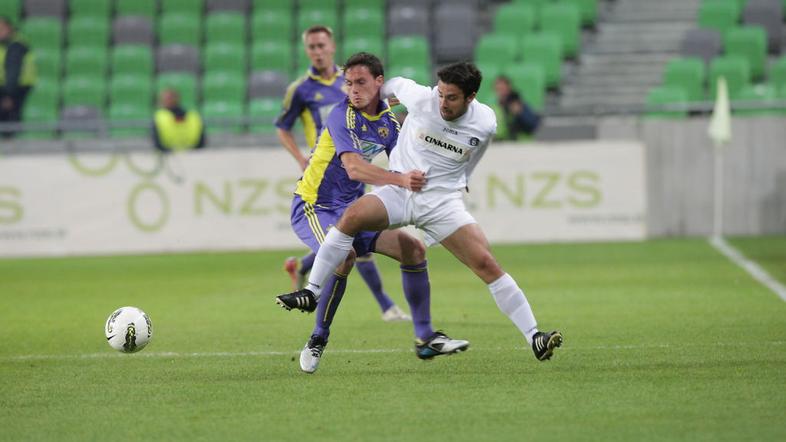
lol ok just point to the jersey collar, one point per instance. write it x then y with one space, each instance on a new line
314 75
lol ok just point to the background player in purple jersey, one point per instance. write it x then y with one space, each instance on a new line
357 130
310 99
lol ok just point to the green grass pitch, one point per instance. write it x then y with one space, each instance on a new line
664 340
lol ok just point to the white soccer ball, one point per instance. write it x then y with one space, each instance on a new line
128 329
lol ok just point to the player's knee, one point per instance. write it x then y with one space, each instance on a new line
350 221
413 252
487 267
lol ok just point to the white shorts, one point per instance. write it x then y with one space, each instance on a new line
437 214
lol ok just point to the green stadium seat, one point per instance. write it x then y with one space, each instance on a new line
735 69
180 28
544 49
11 9
145 8
368 23
273 5
665 95
86 90
132 59
100 9
354 45
272 24
86 61
88 31
130 114
529 80
190 7
310 17
223 86
318 4
420 74
34 112
749 42
688 74
486 92
537 4
777 75
263 112
411 49
515 19
44 94
43 32
48 63
496 49
224 57
760 94
225 27
184 83
271 55
378 5
718 15
564 20
131 89
223 109
588 9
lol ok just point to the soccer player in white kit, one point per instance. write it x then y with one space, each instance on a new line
445 135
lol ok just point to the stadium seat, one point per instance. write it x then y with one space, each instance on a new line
48 8
537 4
310 17
486 92
420 74
515 19
225 27
735 69
271 55
130 114
565 20
189 7
132 59
664 95
263 113
769 15
449 44
588 10
131 89
88 31
45 94
48 63
86 61
145 8
183 82
410 19
82 121
273 5
177 58
703 43
87 90
544 49
529 80
368 23
133 29
372 4
33 113
184 28
718 15
43 32
354 45
11 9
760 94
777 74
272 25
496 49
410 49
222 109
100 9
223 86
224 57
749 42
331 5
688 74
267 84
240 6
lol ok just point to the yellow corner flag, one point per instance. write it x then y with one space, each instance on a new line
720 124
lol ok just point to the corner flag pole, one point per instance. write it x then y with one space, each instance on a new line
720 133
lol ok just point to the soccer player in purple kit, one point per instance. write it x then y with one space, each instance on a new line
357 130
311 98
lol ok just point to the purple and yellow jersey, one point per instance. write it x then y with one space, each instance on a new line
325 182
311 98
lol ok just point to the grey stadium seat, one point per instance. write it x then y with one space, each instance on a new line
409 19
81 119
51 8
264 84
456 31
703 43
228 5
133 29
177 58
769 15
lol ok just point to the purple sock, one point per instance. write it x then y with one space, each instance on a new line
368 270
306 263
328 303
417 290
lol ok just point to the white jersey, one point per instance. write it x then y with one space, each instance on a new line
447 151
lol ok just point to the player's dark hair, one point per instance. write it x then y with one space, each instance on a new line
464 75
317 29
371 61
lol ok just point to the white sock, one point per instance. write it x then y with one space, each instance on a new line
331 254
511 300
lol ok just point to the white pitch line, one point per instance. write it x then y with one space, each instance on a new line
114 355
758 273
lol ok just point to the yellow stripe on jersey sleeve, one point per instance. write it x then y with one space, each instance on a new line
308 186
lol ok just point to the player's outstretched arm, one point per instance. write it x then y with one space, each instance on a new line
359 169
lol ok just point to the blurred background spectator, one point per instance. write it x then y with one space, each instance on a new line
175 128
17 72
520 118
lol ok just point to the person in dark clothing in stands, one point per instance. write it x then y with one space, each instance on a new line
174 128
17 73
520 118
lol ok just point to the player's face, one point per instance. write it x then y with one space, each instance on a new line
320 50
452 102
362 87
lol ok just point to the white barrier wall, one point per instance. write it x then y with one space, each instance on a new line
239 199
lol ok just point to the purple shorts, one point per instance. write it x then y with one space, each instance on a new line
311 224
